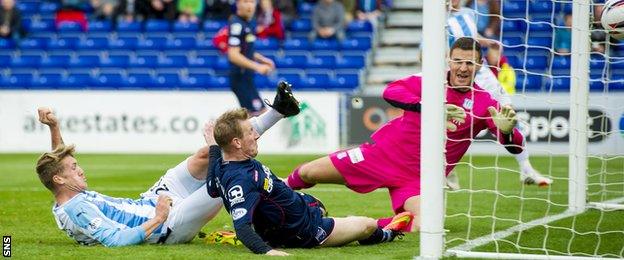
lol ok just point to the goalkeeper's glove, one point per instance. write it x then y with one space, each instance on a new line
505 120
454 115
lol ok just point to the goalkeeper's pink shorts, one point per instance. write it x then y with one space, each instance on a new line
367 168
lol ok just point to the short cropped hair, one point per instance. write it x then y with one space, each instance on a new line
49 164
227 126
467 44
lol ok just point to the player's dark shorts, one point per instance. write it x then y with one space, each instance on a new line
314 234
241 83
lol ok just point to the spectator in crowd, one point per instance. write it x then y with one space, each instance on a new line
369 10
269 21
328 20
349 6
132 10
218 9
190 10
488 16
162 9
105 9
563 35
10 21
287 9
75 5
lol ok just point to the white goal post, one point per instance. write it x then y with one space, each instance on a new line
433 244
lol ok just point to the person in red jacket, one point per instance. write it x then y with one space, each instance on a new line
269 21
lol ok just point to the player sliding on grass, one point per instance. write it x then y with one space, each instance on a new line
266 213
393 159
172 211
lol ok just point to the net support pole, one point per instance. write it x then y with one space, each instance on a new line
433 132
578 106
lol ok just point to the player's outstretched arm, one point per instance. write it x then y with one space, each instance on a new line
502 124
47 117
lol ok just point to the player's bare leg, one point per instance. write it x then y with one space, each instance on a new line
321 170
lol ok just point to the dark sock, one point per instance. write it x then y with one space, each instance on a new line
379 236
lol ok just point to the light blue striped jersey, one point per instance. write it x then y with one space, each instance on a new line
462 23
91 218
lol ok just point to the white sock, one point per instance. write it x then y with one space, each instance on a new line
266 120
523 160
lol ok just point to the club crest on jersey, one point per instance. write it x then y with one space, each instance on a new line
235 195
468 103
238 213
95 224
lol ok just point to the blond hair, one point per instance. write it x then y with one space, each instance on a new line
227 126
49 164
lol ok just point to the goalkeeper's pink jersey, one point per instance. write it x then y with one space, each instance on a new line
400 138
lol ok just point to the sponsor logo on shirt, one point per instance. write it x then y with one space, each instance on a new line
468 103
355 155
268 184
236 29
238 213
95 224
250 38
235 195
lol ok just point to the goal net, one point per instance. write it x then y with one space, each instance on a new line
569 99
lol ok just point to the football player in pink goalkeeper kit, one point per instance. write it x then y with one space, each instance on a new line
392 160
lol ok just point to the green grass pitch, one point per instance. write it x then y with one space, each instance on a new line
25 209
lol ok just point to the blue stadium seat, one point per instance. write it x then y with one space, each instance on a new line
266 44
545 7
561 84
123 43
514 61
512 40
536 63
296 44
214 25
293 77
5 59
510 26
17 80
360 26
321 61
325 45
615 84
26 61
617 63
291 61
41 26
514 9
92 43
222 63
305 8
205 44
157 26
185 27
596 85
301 25
219 82
540 41
180 43
47 80
129 27
351 62
144 61
264 82
56 61
139 80
346 80
172 61
65 43
545 28
359 43
76 81
152 43
114 61
33 44
166 80
195 81
317 80
99 26
27 8
49 7
85 61
561 62
108 79
6 44
69 26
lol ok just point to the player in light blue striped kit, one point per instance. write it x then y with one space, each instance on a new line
172 211
462 23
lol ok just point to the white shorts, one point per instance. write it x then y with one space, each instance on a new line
192 206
